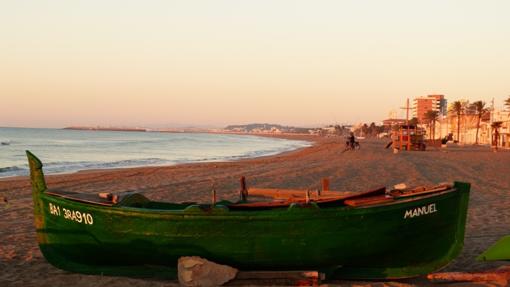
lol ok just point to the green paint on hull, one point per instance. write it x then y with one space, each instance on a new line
500 251
345 242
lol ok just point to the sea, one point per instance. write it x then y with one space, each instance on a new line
65 151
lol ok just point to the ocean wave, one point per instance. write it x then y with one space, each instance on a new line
137 162
58 167
65 152
10 169
13 171
254 154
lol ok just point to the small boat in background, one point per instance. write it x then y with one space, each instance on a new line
5 143
369 235
499 251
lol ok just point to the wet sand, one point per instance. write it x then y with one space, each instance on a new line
22 264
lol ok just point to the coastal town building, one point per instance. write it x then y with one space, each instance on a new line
502 116
468 124
447 121
421 105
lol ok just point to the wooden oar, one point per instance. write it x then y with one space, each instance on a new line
420 191
81 197
278 193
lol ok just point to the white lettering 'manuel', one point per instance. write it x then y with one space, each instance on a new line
418 211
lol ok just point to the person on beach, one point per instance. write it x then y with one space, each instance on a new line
352 140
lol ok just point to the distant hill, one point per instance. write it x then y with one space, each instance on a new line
266 128
113 129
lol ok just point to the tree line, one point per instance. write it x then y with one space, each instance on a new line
371 130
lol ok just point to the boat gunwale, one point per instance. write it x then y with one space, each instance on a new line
253 214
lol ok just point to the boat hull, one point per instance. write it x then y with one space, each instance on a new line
135 237
384 241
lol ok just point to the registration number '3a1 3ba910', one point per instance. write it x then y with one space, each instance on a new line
72 215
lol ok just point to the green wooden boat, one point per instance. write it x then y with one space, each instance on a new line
499 251
401 236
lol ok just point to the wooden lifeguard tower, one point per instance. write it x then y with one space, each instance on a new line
408 137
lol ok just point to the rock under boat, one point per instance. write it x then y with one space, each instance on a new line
369 235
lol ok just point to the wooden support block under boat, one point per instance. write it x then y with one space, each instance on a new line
280 274
292 278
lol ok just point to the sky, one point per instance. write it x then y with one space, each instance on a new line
213 63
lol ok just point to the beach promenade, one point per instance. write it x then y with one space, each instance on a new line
22 264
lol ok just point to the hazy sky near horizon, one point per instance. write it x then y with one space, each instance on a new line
165 63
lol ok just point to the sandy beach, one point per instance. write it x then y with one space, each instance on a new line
22 264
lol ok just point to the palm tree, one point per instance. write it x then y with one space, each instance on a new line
479 109
432 116
507 103
457 108
496 126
